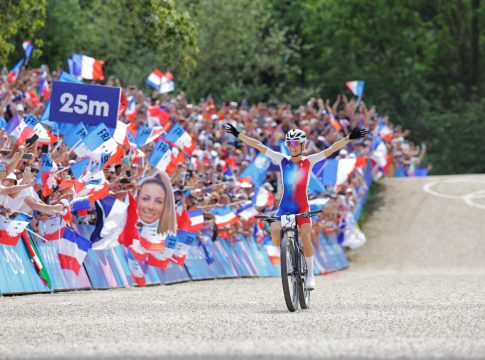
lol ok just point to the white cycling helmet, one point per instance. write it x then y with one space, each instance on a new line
296 134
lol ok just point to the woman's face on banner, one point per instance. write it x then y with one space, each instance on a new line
151 202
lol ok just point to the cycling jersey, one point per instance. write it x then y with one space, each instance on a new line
295 178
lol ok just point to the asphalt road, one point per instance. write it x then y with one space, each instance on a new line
416 290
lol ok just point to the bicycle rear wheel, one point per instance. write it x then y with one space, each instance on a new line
289 276
304 294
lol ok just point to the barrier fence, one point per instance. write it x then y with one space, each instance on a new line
207 259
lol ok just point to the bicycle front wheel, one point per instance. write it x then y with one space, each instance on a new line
304 294
289 273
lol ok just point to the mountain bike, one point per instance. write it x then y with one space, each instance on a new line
293 265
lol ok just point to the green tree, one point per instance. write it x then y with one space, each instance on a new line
454 139
19 21
244 53
131 36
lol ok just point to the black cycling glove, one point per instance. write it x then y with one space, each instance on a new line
232 130
357 133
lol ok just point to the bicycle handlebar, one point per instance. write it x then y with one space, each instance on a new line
271 218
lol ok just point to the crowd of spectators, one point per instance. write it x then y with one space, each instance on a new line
210 178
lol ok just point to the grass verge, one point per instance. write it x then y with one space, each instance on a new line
374 201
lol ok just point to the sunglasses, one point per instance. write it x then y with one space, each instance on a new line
293 143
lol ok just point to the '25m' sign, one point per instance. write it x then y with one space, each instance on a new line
90 104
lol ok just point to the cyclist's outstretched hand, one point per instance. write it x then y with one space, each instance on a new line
357 133
231 130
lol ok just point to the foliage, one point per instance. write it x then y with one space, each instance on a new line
19 21
455 139
373 202
244 52
131 36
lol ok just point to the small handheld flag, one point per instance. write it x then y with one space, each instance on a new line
356 87
28 47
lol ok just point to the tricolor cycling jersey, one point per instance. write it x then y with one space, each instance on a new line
295 177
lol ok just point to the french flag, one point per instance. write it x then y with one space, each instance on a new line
224 216
160 81
79 168
356 87
11 230
102 147
181 138
262 197
32 97
81 205
161 156
94 186
185 240
38 129
121 132
15 72
18 129
183 217
74 138
24 128
166 83
146 135
130 231
131 144
157 116
53 228
196 220
155 79
46 176
84 142
110 222
73 249
28 47
247 211
44 89
177 158
85 67
337 171
123 137
131 109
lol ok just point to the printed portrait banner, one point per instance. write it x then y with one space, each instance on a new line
91 104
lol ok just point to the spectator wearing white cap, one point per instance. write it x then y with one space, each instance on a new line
343 154
19 108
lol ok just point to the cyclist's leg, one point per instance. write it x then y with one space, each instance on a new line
306 238
276 233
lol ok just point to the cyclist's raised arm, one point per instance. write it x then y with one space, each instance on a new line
246 139
336 146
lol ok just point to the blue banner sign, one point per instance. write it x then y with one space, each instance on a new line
90 104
